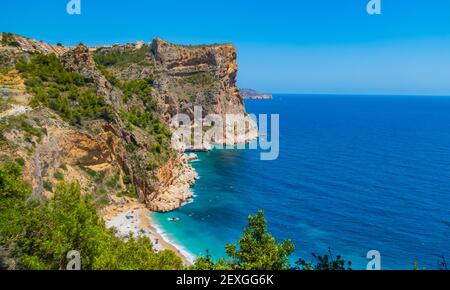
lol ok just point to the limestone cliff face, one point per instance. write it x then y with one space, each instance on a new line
183 76
115 150
80 60
198 75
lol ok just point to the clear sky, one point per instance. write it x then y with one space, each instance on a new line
303 46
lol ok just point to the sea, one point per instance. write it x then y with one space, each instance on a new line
354 174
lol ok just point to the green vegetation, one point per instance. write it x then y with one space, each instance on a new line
130 191
90 172
39 234
14 43
48 186
103 185
99 177
121 58
8 40
65 92
142 89
21 123
148 120
326 262
20 161
145 118
255 250
100 198
205 79
258 250
3 61
141 110
109 76
58 176
114 181
27 128
3 103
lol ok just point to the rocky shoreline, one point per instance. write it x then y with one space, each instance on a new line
172 195
177 179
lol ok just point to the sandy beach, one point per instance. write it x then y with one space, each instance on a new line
134 218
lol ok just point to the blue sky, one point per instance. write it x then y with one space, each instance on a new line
314 46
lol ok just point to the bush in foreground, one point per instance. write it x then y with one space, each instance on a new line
257 249
38 234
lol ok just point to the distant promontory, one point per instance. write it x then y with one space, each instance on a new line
253 94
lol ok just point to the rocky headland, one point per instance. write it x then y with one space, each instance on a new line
255 95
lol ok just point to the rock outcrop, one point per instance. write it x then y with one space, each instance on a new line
204 76
177 178
198 75
25 44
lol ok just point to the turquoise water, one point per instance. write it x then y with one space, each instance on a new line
354 174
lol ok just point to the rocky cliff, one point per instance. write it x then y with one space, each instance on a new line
198 75
99 116
183 76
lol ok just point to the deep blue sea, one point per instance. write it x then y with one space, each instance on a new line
355 173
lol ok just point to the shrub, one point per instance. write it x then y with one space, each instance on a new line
8 39
14 44
121 58
258 250
30 130
20 161
38 235
58 175
255 250
99 176
325 262
64 92
48 186
21 123
130 191
90 172
200 79
113 182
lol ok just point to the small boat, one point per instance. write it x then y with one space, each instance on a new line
173 219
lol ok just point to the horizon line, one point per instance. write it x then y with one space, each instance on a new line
359 94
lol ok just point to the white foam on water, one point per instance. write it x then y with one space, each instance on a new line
188 255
